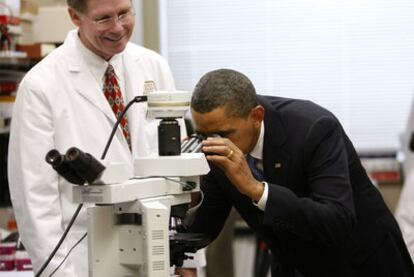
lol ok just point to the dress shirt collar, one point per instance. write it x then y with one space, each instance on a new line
98 65
257 151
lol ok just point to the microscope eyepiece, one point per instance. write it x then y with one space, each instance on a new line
75 166
62 166
85 165
54 158
73 153
193 144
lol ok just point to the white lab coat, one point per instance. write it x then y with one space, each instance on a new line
408 165
59 105
404 212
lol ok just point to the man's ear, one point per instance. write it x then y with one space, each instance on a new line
74 16
257 114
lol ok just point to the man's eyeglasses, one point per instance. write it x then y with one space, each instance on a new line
108 22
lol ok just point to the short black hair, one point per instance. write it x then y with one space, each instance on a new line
224 88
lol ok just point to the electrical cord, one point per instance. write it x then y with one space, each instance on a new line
67 255
46 263
186 185
133 101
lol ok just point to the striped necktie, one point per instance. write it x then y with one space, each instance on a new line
252 162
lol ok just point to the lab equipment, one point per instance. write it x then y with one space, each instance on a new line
135 227
193 144
132 229
168 106
75 166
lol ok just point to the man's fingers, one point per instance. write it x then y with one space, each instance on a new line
217 141
216 158
217 150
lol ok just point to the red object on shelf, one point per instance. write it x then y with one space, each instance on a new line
7 248
386 176
6 19
12 225
7 87
6 263
22 261
7 255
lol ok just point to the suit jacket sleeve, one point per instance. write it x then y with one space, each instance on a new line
211 215
326 215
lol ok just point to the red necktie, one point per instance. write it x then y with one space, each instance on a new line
114 96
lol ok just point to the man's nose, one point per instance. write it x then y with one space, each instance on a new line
117 25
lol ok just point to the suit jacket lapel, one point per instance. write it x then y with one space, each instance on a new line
275 158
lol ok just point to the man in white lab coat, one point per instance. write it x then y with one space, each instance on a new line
405 208
60 104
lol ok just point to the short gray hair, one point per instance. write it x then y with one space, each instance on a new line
77 5
224 88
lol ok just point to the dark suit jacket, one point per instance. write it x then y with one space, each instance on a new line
323 215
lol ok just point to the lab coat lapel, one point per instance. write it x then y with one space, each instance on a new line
134 86
86 85
134 79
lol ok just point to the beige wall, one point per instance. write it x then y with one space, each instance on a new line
146 31
49 2
151 25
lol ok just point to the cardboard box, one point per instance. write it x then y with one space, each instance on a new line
28 14
36 50
29 7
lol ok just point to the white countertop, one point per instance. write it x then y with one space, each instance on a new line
16 274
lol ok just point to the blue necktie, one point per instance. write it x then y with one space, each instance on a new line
252 162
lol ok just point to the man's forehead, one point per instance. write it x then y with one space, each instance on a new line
212 131
208 118
101 7
209 126
208 129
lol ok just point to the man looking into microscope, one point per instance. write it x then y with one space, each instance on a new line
293 175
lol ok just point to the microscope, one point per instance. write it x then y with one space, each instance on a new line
134 228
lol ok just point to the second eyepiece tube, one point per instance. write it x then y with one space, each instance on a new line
193 144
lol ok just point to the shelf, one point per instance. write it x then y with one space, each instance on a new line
16 63
6 108
4 130
16 274
7 98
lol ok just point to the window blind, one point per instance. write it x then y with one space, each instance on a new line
355 58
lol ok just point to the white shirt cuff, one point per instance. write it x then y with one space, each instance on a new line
197 259
263 200
191 213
